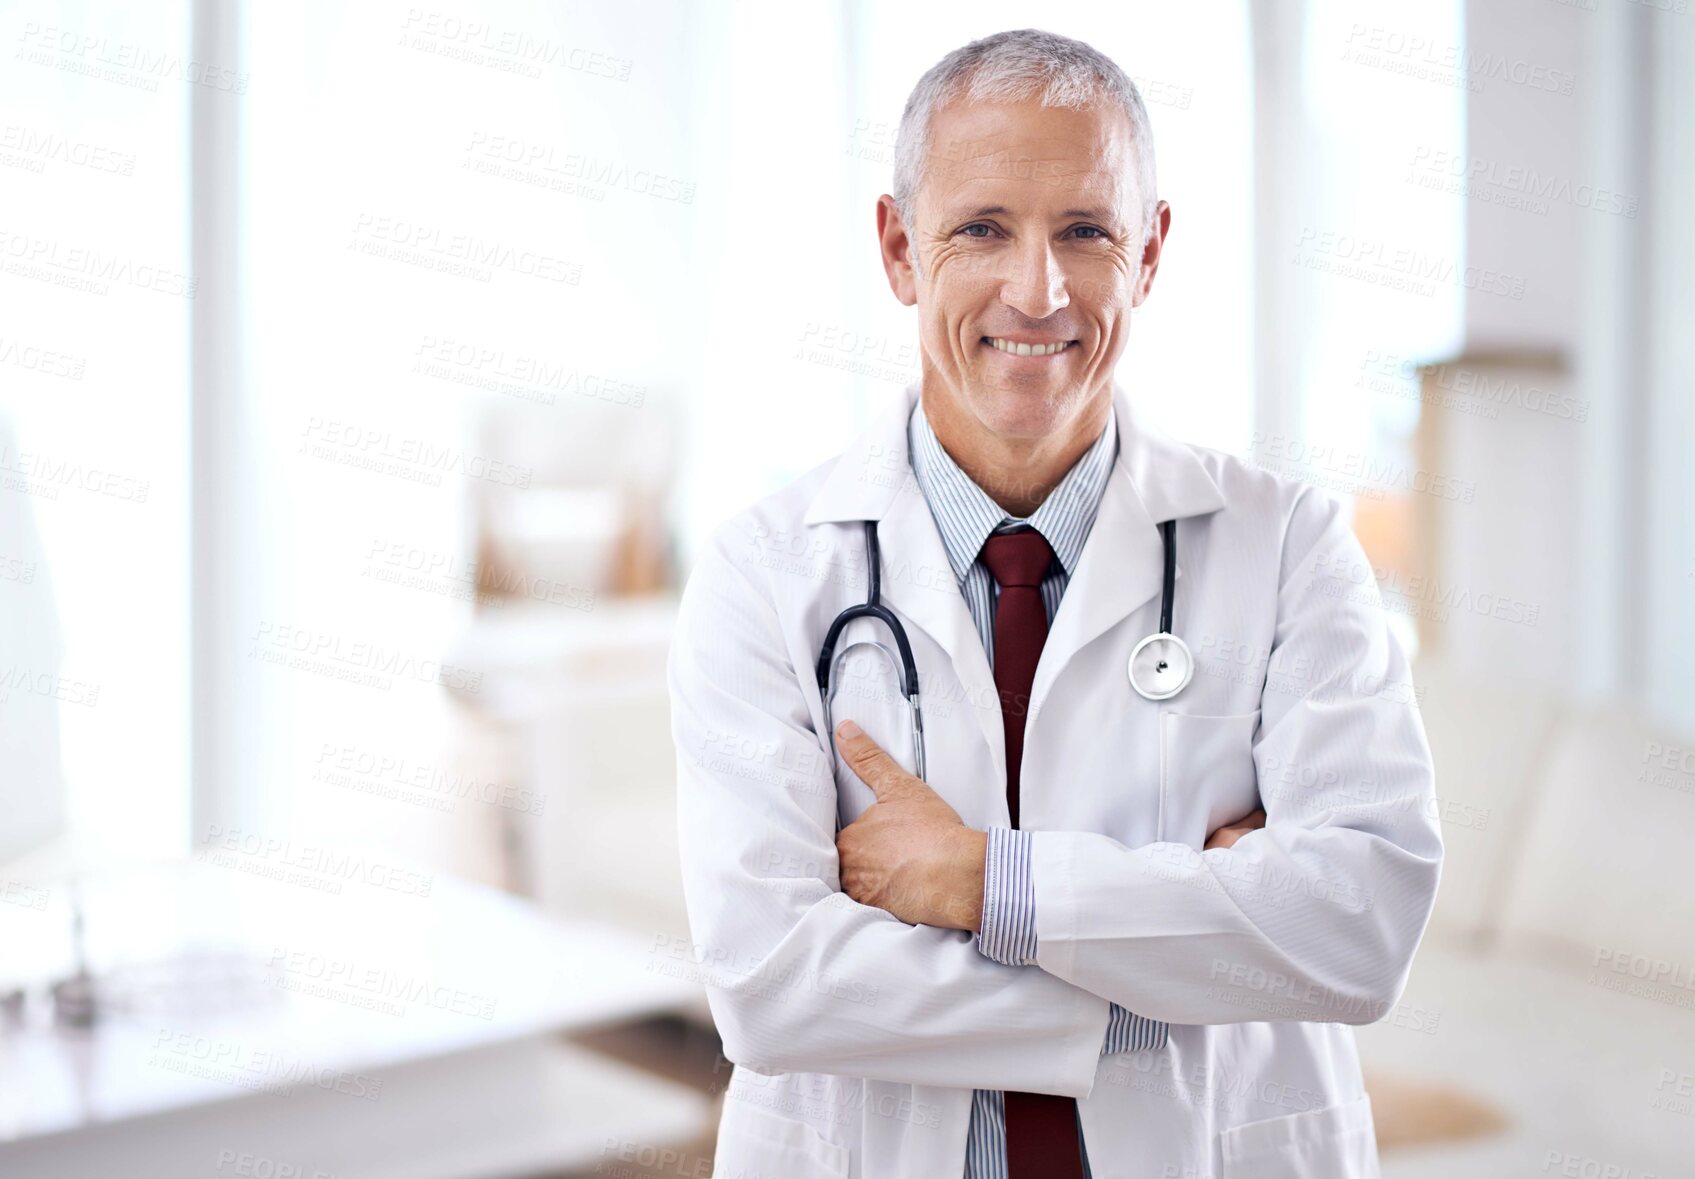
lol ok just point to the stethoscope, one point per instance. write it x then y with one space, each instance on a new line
1160 665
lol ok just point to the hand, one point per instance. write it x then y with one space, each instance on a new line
1227 836
909 853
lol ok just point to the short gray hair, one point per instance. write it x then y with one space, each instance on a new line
1016 66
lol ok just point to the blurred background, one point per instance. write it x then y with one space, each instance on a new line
368 375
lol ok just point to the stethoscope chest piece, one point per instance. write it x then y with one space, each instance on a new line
1161 666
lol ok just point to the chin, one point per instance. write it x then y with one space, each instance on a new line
1016 412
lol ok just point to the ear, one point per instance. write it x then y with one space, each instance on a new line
1152 250
896 245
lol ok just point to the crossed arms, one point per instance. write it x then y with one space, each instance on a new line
808 972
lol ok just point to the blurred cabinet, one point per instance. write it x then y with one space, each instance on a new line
579 700
1496 495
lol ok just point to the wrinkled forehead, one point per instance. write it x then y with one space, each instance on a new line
1028 158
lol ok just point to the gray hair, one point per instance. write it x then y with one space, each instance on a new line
1016 66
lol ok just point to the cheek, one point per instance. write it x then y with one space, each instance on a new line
1111 309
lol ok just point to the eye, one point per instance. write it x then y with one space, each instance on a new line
984 226
1096 230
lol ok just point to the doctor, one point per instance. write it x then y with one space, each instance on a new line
1109 931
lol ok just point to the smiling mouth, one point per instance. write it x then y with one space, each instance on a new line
1014 348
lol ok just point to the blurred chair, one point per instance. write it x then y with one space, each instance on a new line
1553 996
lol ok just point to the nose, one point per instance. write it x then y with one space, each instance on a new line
1036 286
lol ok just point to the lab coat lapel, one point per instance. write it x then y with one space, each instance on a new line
919 583
1155 479
873 480
1120 569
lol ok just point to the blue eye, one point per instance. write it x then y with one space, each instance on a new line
975 225
1095 229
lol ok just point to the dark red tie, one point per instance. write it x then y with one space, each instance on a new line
1041 1128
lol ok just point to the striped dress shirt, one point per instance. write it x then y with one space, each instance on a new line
966 516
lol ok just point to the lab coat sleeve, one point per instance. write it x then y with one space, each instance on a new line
1009 933
1316 916
800 977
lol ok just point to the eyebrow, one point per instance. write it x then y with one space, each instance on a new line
1095 214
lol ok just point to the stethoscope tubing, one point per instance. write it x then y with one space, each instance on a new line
908 667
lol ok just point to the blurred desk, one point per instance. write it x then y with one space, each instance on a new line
329 1021
533 659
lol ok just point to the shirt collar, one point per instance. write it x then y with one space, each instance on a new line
966 516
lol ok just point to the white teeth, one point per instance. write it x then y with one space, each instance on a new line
1028 349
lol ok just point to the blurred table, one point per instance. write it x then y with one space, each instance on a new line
292 1007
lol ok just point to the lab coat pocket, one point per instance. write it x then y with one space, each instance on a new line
755 1140
1336 1142
1207 777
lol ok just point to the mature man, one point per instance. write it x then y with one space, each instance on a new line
1114 929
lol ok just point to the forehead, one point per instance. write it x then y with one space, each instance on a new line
1036 156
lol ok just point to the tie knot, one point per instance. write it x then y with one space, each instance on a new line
1018 558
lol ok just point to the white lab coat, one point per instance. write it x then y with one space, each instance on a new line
857 1039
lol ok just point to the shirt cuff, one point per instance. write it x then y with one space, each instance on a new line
1009 899
1128 1032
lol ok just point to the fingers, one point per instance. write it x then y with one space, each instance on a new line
875 768
1224 837
1227 836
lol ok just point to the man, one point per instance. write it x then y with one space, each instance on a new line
1112 932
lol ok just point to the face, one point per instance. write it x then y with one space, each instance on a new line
1030 259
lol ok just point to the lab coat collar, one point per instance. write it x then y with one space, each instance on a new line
875 472
1156 478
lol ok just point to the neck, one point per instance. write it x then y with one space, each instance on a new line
1018 473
